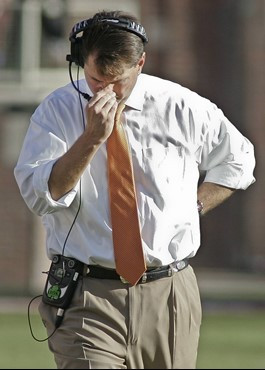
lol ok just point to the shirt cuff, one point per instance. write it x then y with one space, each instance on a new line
231 176
40 184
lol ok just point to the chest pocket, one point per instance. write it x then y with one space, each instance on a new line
165 165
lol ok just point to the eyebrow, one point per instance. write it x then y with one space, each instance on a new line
111 82
95 79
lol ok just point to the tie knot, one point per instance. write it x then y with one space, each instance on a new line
120 108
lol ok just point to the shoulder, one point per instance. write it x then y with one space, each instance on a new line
159 88
61 94
63 97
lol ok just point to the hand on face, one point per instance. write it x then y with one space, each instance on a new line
100 111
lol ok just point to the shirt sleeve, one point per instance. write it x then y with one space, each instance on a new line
42 146
227 157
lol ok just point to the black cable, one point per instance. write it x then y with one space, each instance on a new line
83 120
60 311
86 96
30 326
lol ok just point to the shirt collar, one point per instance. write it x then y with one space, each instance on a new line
136 99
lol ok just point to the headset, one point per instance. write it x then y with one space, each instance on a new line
122 23
75 55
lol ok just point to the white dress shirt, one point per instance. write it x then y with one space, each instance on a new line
174 134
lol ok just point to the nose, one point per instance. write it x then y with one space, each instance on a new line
101 86
105 85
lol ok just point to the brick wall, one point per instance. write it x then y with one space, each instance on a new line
15 228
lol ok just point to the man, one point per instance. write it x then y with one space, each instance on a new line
63 172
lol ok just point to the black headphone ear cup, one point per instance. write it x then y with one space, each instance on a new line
76 52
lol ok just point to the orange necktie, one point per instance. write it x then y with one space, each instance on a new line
129 258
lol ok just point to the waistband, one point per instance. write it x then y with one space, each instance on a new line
99 272
151 274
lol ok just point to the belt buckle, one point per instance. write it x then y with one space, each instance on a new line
124 281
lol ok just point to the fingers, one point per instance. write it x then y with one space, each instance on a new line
103 103
101 110
102 96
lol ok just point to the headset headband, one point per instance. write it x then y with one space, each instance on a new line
123 23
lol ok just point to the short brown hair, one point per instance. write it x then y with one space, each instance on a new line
113 47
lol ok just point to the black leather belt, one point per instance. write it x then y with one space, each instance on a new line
151 274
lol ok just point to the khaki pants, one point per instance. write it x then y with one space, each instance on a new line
110 325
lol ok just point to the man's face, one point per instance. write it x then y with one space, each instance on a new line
122 84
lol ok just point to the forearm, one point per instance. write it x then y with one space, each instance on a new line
66 172
211 195
69 168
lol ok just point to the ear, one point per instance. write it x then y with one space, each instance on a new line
141 63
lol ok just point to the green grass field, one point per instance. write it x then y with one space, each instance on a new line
231 340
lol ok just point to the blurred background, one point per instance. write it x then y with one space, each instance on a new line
213 47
